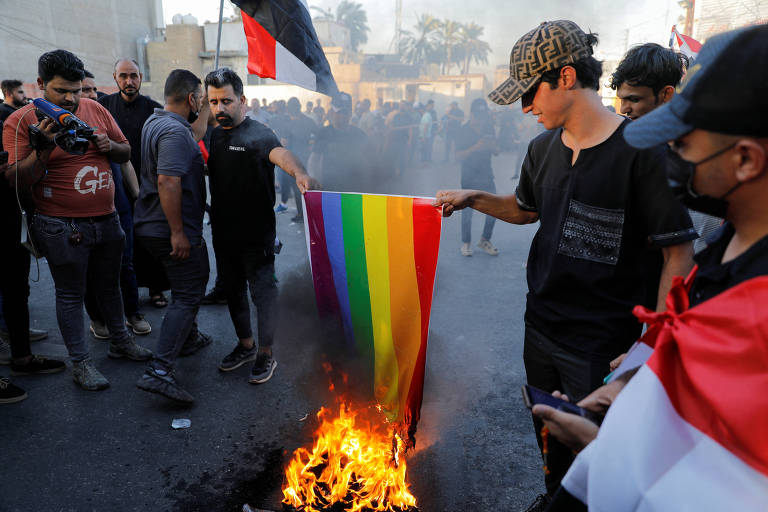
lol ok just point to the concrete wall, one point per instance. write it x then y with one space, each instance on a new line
97 31
180 50
714 16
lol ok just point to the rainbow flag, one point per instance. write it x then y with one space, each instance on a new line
373 260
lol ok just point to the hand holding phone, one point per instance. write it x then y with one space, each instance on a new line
533 396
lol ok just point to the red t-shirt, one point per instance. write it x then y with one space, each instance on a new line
76 185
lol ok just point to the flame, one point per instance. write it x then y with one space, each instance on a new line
353 463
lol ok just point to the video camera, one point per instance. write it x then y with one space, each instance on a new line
73 135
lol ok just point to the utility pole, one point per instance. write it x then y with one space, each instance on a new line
218 39
398 23
689 6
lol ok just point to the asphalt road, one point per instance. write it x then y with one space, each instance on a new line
65 449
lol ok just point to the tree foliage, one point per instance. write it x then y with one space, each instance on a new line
352 15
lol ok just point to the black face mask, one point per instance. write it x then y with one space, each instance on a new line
192 117
680 174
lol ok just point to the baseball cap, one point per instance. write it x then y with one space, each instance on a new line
341 101
724 91
551 45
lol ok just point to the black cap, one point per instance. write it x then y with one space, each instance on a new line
341 101
724 91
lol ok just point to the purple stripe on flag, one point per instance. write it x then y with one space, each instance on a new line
325 290
334 240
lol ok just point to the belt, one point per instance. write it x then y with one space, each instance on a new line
91 220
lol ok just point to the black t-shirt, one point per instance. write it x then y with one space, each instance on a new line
299 133
10 218
344 158
476 169
130 118
714 277
400 127
588 263
242 183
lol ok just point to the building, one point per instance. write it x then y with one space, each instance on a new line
97 32
711 17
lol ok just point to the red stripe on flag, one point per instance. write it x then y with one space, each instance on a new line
712 362
261 49
426 245
322 273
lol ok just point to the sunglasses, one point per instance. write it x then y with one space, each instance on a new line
527 98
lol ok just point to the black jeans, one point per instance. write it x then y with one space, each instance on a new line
14 288
188 279
96 258
550 367
254 267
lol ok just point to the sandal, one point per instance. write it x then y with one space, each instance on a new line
158 300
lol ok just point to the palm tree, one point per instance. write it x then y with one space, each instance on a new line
450 38
351 15
418 47
472 47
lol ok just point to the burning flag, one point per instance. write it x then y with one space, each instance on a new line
373 260
688 45
688 431
283 45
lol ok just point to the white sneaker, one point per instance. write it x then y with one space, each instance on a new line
488 247
466 250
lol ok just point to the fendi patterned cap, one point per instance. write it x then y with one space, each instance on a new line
551 45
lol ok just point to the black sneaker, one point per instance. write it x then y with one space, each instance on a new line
215 296
165 385
192 346
263 369
10 394
238 358
297 219
37 365
540 504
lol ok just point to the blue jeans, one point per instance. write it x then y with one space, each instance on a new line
97 259
188 279
466 217
254 268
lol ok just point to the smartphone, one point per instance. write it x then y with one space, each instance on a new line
3 157
533 396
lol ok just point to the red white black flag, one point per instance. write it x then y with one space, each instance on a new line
283 45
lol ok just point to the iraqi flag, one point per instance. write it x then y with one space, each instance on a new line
283 45
690 430
688 45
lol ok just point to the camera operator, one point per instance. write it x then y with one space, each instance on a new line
76 226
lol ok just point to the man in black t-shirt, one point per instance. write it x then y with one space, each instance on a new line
338 156
300 130
241 166
452 121
599 203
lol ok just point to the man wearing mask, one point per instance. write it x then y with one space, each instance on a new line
241 165
169 223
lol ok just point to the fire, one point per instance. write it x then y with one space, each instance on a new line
354 465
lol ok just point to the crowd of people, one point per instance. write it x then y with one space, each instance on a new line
623 216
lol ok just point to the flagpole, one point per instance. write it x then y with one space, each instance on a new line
218 39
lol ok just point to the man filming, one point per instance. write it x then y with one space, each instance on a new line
76 226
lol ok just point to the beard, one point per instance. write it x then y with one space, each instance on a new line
225 120
132 91
19 103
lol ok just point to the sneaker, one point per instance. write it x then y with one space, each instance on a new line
297 219
466 250
130 350
488 247
34 334
88 377
192 346
10 394
238 358
99 330
5 352
164 385
280 208
138 325
540 504
215 296
37 365
263 369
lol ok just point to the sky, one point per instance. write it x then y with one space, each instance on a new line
619 23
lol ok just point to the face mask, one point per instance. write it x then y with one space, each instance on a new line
680 175
193 115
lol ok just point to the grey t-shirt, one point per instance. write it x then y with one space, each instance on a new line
169 149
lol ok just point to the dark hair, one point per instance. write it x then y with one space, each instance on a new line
7 86
179 84
222 77
60 63
650 65
88 74
588 70
293 106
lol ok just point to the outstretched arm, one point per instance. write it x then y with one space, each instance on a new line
502 207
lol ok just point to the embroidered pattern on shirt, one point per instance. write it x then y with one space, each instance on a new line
592 233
